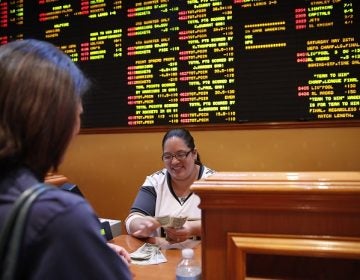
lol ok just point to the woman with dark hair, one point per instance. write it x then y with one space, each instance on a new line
167 192
40 107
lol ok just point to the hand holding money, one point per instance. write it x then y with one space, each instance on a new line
145 226
170 221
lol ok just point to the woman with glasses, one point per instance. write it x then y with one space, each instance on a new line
166 193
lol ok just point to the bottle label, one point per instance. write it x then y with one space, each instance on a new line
197 277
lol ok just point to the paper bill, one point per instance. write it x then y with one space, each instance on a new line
178 222
147 254
164 220
169 221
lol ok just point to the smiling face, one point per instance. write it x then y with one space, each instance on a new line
180 169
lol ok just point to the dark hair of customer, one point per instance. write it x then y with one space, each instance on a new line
39 94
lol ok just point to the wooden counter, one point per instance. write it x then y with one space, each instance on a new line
163 271
281 208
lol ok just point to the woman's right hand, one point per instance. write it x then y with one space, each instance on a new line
144 226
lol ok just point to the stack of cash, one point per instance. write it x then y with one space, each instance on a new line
169 221
147 254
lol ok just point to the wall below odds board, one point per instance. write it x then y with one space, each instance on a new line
109 168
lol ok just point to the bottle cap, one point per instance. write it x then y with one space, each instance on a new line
187 253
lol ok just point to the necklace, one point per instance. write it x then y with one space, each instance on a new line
182 199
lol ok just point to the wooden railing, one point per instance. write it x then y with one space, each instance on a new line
239 246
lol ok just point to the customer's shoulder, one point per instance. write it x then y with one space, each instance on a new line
57 202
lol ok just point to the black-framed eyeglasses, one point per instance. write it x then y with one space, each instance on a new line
181 155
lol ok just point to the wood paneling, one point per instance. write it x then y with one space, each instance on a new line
110 168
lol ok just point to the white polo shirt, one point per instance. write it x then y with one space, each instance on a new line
156 198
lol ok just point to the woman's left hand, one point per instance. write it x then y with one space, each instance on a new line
176 235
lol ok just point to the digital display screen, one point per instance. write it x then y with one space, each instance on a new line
201 62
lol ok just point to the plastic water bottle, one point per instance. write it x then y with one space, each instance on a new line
188 268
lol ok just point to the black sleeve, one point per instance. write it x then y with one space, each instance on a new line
145 201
